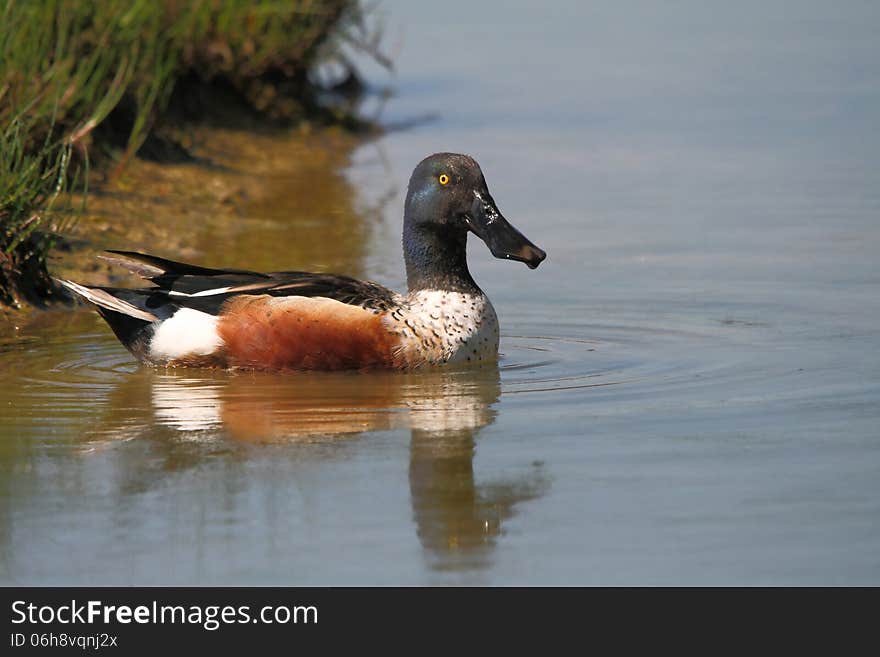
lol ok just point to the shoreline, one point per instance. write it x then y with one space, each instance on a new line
240 184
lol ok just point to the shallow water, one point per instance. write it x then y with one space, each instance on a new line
689 387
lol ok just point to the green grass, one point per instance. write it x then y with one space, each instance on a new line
67 68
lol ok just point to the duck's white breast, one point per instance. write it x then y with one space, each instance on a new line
439 326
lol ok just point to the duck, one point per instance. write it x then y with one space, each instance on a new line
193 316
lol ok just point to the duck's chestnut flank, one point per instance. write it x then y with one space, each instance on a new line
276 333
200 317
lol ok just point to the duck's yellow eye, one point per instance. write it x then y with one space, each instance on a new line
444 179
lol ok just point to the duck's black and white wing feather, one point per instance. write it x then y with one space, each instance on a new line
206 289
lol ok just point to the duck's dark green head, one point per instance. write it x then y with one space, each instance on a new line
447 197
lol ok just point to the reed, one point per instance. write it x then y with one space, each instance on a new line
87 82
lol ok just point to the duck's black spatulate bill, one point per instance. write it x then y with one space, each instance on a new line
503 240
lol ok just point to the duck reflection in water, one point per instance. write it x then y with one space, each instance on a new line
457 520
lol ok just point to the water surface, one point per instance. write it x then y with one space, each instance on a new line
689 387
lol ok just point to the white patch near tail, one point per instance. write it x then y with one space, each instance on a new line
187 332
106 300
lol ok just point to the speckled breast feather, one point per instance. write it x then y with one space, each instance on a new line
439 326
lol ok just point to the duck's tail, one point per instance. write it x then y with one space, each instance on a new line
133 326
105 300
